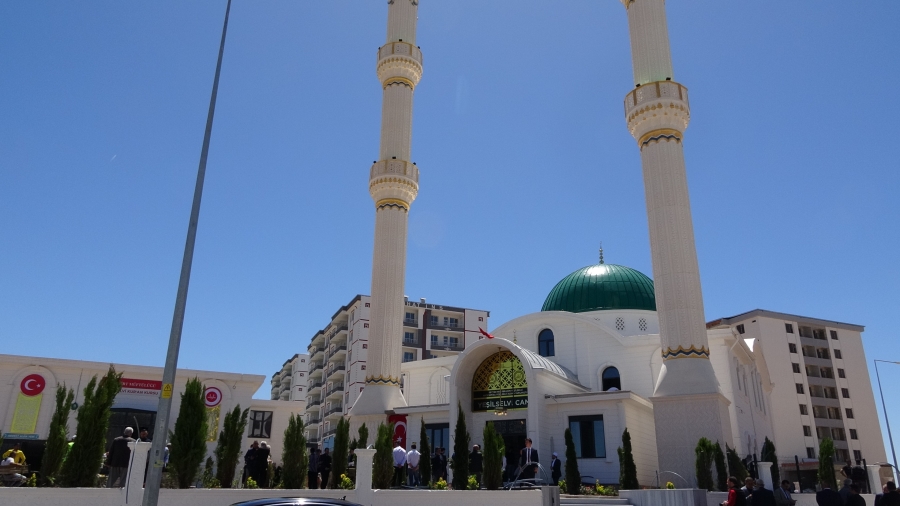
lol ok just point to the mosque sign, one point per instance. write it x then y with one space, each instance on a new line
499 383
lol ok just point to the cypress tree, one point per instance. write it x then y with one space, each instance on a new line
189 438
383 464
340 452
363 433
461 442
721 469
425 448
492 476
627 470
294 455
736 468
826 462
704 455
56 446
768 455
86 456
573 477
228 449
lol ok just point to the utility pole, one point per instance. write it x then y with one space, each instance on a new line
160 433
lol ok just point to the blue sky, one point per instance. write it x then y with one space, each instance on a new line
519 134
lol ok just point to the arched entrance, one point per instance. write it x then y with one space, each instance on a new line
500 386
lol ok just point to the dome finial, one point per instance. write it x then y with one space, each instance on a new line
601 252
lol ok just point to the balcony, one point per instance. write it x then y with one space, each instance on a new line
334 389
313 423
335 410
315 367
410 322
413 343
329 432
335 331
448 325
314 385
449 346
313 403
336 351
335 370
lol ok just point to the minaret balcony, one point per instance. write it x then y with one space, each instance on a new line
655 109
394 180
399 62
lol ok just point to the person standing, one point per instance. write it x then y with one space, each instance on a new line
412 466
735 495
783 494
853 498
476 463
399 464
313 472
747 489
144 436
261 467
845 490
250 461
762 496
890 497
119 457
828 497
325 466
528 460
555 469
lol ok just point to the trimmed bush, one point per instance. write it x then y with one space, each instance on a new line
461 442
228 449
294 455
383 464
627 470
573 477
189 438
56 446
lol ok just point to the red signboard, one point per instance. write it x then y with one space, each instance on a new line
139 384
33 384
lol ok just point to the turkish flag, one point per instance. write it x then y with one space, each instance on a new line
399 424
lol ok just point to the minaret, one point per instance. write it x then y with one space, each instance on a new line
687 403
393 184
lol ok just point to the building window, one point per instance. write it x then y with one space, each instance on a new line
834 413
410 318
810 452
799 388
261 424
365 346
796 368
804 410
611 379
454 342
642 324
409 338
792 347
545 343
841 373
433 320
823 353
409 356
740 328
837 434
837 354
620 323
849 413
819 334
589 437
352 316
434 340
857 455
834 334
363 367
789 328
807 431
845 393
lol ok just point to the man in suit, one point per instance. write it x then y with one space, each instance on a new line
853 498
828 497
528 460
555 469
889 497
783 494
762 496
119 459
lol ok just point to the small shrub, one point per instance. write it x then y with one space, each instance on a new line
31 481
441 484
346 483
606 491
562 486
250 483
670 485
472 483
208 478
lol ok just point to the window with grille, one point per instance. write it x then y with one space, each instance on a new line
792 347
796 368
807 431
789 328
833 334
620 323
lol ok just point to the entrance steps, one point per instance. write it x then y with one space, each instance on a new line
591 500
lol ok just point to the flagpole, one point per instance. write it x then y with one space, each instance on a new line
160 434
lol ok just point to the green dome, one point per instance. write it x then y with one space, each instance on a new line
602 286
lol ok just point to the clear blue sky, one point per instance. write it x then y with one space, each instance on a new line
520 136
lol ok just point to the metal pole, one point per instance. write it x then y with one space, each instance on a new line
884 407
799 480
154 473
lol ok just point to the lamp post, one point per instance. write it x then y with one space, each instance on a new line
884 407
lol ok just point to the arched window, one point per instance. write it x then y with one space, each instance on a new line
545 343
611 379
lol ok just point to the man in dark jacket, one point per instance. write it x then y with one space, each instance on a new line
119 459
828 497
325 466
853 498
555 469
761 495
313 472
476 463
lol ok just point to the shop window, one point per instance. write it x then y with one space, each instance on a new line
588 436
611 379
546 344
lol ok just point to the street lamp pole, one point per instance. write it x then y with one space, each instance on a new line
884 408
157 448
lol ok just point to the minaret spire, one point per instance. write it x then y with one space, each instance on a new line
393 184
601 252
687 403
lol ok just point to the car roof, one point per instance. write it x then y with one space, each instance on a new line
296 501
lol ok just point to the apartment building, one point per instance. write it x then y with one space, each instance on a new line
290 382
821 387
337 354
